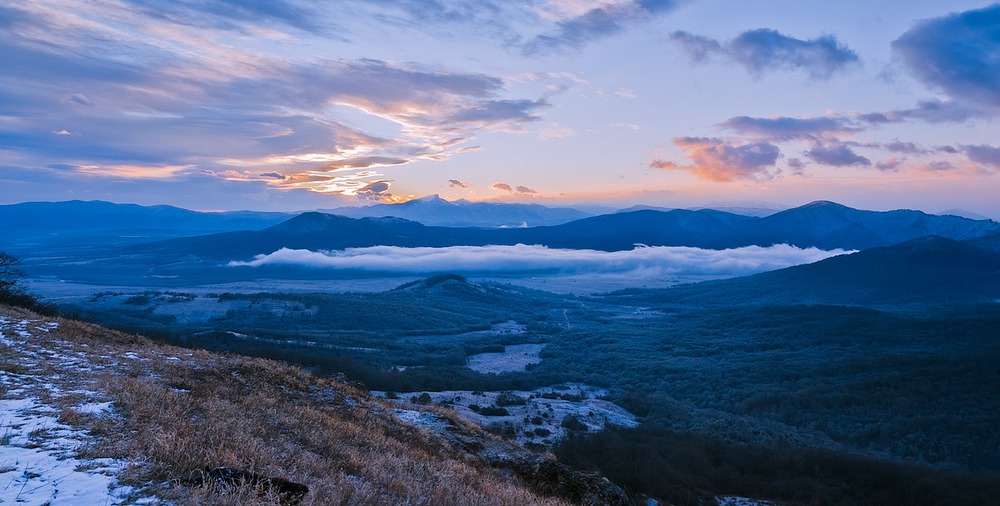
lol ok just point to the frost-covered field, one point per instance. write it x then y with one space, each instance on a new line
40 457
538 417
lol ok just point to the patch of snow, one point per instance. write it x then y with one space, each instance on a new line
538 412
421 419
514 358
48 327
38 463
95 408
731 500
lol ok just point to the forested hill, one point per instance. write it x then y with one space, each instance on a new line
929 270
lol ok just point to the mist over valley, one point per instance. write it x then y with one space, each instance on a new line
721 336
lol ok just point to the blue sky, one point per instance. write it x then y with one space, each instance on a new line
291 105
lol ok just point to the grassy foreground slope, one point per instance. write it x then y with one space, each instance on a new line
175 410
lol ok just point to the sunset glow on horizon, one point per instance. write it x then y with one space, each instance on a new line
301 104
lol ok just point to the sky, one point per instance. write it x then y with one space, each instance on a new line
295 104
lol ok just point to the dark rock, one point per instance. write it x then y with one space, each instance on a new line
290 492
580 487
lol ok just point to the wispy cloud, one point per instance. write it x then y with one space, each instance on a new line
233 14
890 164
505 188
148 83
785 128
556 131
765 50
641 261
928 111
986 155
578 27
717 160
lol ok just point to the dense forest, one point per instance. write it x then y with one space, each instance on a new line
794 397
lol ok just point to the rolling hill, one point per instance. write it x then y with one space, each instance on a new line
928 270
829 225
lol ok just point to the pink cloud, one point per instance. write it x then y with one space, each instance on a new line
722 161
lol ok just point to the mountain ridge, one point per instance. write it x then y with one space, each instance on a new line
433 210
820 224
29 226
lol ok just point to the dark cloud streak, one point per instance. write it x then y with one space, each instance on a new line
929 111
766 50
595 24
785 128
986 155
836 154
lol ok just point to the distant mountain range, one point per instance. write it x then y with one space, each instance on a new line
436 211
906 256
32 226
829 225
759 212
100 239
824 225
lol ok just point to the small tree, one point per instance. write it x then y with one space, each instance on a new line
12 290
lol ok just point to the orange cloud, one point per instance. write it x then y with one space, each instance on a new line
721 161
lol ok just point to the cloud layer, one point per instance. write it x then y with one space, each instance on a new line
173 87
641 261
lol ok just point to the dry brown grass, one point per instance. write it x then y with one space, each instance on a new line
178 410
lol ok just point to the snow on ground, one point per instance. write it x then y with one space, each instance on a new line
515 357
540 421
421 419
39 456
741 501
37 463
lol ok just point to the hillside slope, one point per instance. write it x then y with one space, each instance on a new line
929 270
156 416
828 225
